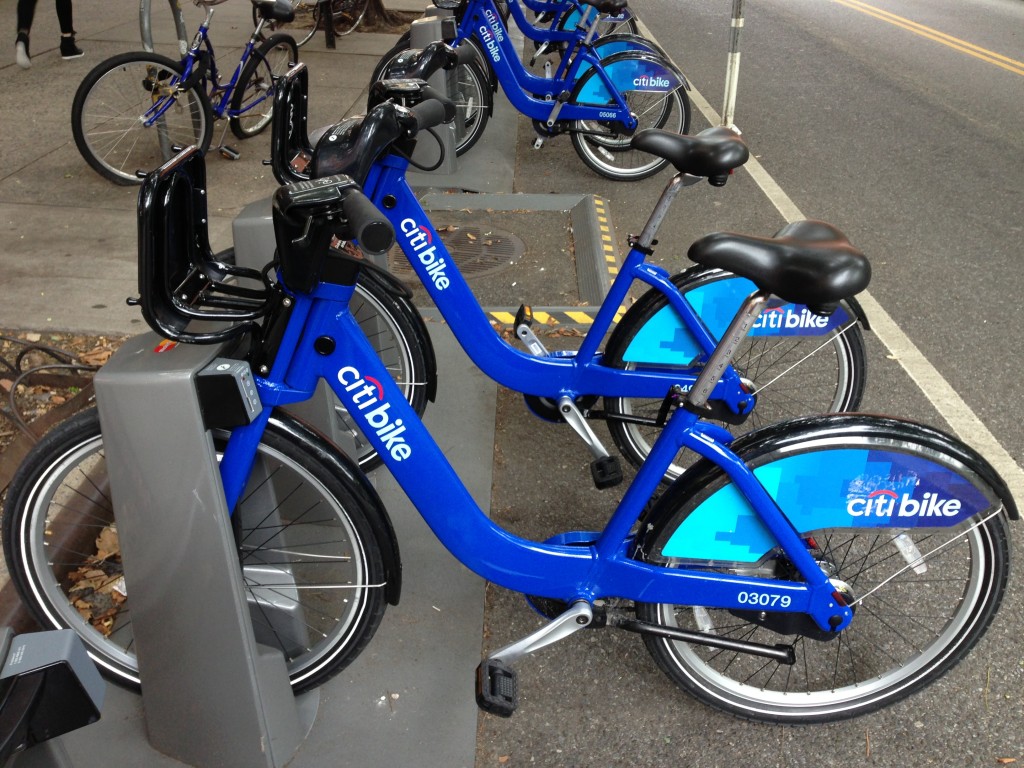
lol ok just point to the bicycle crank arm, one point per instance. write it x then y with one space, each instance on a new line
780 653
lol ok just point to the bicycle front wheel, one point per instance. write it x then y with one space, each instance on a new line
922 596
130 112
472 96
58 506
252 103
791 374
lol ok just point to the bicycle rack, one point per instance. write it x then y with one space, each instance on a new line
212 696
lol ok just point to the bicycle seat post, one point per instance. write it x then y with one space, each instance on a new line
738 329
678 182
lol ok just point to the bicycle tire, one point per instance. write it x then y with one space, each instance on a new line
107 110
894 646
252 102
58 503
473 97
610 154
830 376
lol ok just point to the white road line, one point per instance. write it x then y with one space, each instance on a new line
961 419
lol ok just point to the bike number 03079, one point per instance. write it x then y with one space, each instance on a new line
764 599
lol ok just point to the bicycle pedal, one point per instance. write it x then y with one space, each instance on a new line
523 316
497 691
606 471
538 143
229 153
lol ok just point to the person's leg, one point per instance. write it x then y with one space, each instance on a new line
26 11
68 49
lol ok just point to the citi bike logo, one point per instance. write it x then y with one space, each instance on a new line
368 396
495 24
652 81
789 317
488 40
891 504
421 241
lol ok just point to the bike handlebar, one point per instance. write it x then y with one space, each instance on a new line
309 214
433 110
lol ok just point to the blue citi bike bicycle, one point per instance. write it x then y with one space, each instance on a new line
814 570
792 363
602 91
133 110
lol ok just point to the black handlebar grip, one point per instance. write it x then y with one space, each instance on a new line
367 224
464 54
435 109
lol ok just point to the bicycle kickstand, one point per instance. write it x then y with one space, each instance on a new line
497 691
226 151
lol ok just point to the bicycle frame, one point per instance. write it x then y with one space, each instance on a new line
561 568
536 97
189 62
581 374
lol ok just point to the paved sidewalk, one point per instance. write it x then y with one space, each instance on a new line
69 239
68 262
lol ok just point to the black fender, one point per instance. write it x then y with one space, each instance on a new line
656 522
348 472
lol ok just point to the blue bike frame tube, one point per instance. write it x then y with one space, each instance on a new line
366 389
581 374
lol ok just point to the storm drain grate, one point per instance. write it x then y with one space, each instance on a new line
477 251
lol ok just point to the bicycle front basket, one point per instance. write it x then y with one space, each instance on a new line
180 280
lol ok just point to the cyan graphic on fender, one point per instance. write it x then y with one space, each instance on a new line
839 488
629 75
664 338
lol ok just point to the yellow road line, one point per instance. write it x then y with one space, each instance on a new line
1005 62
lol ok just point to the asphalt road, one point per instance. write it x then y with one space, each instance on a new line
900 122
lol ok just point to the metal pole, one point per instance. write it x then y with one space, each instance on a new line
146 26
732 70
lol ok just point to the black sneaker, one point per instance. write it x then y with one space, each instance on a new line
21 51
68 49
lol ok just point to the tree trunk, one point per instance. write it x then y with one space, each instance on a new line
379 18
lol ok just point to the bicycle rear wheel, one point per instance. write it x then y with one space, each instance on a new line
792 375
599 144
292 562
252 103
113 103
922 596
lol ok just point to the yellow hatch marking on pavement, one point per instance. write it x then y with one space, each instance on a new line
504 317
1010 65
580 317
